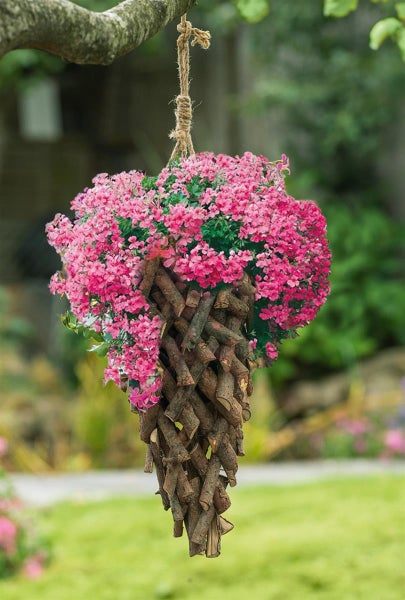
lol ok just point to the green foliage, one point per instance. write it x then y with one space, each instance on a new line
196 187
104 432
389 27
149 183
256 430
72 324
222 233
400 8
224 16
339 8
252 11
23 67
345 95
401 42
128 230
14 331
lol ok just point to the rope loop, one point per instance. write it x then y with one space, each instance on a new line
184 110
186 30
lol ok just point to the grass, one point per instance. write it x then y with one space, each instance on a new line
338 540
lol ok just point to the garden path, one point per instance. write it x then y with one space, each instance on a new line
44 490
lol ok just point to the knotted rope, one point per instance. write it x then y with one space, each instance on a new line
184 111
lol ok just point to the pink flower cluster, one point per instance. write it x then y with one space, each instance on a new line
14 551
209 218
3 446
395 442
8 536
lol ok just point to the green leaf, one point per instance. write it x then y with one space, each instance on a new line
222 234
100 349
149 183
400 8
382 29
128 230
252 11
339 8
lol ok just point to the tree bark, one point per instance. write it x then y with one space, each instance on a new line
83 36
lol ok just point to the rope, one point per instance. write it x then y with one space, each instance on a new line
184 110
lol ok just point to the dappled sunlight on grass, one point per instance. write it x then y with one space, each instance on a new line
340 540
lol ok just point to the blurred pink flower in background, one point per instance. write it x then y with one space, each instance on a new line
354 426
33 567
3 446
395 441
360 445
8 535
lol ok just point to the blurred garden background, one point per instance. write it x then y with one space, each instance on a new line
295 83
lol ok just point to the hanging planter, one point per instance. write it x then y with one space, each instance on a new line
186 281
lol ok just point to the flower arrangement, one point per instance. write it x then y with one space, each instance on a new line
20 548
209 219
186 280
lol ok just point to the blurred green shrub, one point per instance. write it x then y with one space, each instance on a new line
50 425
14 330
330 97
256 430
105 432
34 408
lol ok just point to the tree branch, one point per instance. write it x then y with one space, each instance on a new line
80 35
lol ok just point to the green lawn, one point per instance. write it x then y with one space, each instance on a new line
341 540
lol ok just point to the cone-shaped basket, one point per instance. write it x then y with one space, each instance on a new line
194 434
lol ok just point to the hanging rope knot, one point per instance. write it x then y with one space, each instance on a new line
184 110
181 134
181 138
186 30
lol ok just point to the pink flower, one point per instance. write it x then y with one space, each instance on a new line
395 441
271 351
253 344
8 535
354 426
33 567
3 446
158 251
